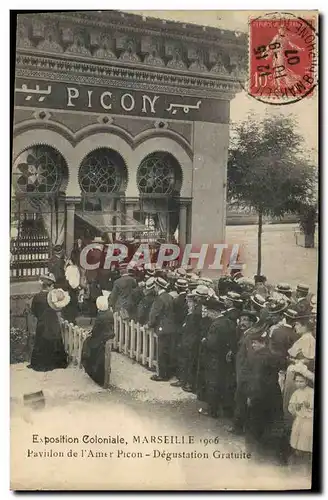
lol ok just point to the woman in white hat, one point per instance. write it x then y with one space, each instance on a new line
93 351
48 351
302 351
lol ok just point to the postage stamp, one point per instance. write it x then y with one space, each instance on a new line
283 58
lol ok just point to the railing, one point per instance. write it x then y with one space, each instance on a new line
73 338
136 341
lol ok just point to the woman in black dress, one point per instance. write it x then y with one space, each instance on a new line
93 351
48 351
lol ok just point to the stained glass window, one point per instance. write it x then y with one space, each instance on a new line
39 170
102 171
157 174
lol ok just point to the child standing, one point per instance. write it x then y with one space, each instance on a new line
301 406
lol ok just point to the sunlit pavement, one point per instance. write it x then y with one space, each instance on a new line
282 259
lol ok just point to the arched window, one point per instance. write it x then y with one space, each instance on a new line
102 171
39 170
159 173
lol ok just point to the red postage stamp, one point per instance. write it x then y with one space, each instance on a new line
283 58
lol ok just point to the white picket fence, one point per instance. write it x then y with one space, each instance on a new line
136 341
73 338
131 339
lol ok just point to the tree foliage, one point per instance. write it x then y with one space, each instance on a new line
267 168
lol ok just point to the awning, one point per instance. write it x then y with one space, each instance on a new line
112 222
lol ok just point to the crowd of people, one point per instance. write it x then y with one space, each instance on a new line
245 348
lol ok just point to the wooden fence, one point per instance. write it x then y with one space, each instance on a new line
73 338
136 341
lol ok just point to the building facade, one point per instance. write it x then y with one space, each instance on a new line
121 126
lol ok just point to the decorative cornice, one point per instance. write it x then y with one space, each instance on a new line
128 47
55 69
131 23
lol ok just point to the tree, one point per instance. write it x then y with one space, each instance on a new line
268 169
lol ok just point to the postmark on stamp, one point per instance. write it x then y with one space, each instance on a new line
283 57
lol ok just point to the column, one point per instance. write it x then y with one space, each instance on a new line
129 218
211 141
70 214
183 225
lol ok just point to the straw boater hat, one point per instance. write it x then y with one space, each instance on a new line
291 314
276 306
302 288
149 270
150 284
258 300
58 299
181 284
246 283
102 303
235 298
181 271
283 288
47 279
161 282
200 291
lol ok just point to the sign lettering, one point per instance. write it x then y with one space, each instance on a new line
59 95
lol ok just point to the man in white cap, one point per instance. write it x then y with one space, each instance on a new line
161 319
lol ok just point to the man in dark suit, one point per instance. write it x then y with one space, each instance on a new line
282 335
145 305
180 308
161 319
121 296
219 373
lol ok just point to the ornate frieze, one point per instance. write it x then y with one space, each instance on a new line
133 45
81 42
151 49
109 75
103 45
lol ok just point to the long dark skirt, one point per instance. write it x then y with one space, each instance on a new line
93 359
48 354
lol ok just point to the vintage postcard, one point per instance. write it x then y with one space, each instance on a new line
164 250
